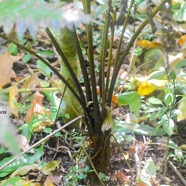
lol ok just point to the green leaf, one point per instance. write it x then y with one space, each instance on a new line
87 169
26 131
168 126
75 178
135 103
101 1
154 101
12 181
124 99
154 60
157 75
137 2
172 75
162 112
141 129
135 107
103 176
44 68
54 100
173 145
181 64
150 167
26 58
43 83
67 115
82 176
138 51
26 159
3 150
12 49
180 14
51 166
182 108
46 53
179 154
148 171
47 130
133 99
169 98
58 134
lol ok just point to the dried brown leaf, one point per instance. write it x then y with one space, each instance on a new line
12 102
6 64
36 106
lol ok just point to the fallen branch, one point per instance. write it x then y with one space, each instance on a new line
178 173
41 141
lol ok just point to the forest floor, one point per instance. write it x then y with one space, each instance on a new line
128 156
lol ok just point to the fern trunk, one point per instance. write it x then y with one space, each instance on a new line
72 106
100 145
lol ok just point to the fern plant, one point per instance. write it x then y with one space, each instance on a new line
97 109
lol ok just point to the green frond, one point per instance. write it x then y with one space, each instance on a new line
33 14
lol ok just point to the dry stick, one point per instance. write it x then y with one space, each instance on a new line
138 164
25 90
138 161
39 142
94 168
178 173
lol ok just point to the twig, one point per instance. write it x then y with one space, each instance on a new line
138 160
94 168
178 173
59 150
138 163
25 90
39 142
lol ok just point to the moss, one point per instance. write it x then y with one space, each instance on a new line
67 45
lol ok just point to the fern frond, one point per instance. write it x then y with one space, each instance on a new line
33 14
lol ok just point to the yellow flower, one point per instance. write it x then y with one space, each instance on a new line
146 88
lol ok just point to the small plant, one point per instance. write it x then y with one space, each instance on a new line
148 172
76 174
